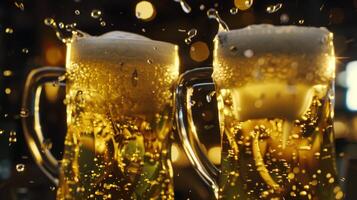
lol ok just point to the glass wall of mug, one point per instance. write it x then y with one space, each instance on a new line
275 93
119 118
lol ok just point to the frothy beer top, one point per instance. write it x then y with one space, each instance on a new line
274 53
125 71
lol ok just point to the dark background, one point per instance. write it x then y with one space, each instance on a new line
32 44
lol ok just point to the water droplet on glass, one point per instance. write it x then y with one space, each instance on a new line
25 51
191 34
233 11
20 167
213 14
77 12
9 30
134 78
202 7
274 8
24 112
20 5
248 53
96 13
284 18
184 5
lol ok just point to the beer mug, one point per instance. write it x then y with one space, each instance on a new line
119 103
275 94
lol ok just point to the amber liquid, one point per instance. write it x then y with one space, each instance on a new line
278 142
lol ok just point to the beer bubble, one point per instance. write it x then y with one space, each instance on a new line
274 8
9 30
77 12
190 34
248 53
20 167
20 5
233 11
24 112
184 5
213 14
96 14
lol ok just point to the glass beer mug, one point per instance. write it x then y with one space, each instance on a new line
275 94
119 117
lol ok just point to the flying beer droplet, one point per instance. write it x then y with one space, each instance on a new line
1 131
243 4
25 51
202 7
46 145
184 5
24 112
191 34
145 11
20 167
209 96
301 21
134 78
7 73
274 8
49 21
77 12
103 23
20 5
9 30
96 14
213 14
234 11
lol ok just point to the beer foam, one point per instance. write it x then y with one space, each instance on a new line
267 52
131 72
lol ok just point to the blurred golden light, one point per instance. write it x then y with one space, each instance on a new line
7 91
7 73
341 129
51 91
144 10
53 55
243 4
175 153
214 155
199 51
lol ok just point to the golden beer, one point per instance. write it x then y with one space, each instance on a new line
275 90
119 118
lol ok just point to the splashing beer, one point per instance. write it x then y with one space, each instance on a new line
119 115
276 111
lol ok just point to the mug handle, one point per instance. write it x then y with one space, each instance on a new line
31 119
188 81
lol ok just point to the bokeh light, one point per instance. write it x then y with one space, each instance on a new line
243 4
199 51
144 10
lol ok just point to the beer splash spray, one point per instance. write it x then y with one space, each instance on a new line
71 28
184 5
190 34
213 14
